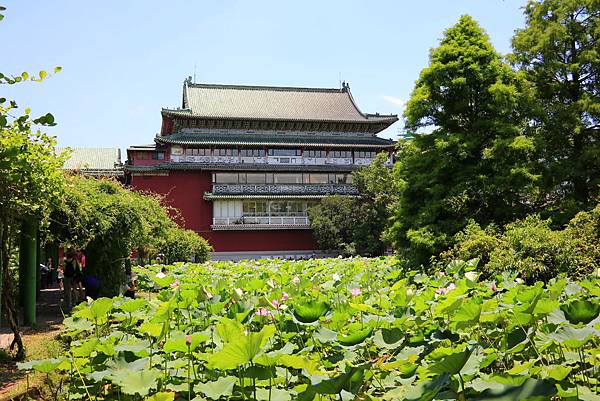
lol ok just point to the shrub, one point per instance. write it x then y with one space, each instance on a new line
583 231
532 248
347 224
183 245
475 242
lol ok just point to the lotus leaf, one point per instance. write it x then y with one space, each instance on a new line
581 311
311 311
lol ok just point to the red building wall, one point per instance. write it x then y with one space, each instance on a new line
184 191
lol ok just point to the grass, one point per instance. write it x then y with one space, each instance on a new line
39 344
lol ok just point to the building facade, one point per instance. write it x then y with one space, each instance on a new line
242 164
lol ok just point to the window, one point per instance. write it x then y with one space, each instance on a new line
255 208
287 208
287 178
256 178
226 152
364 154
158 156
225 178
285 152
318 179
252 152
315 153
342 178
341 153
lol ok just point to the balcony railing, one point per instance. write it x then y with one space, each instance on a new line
288 189
274 160
260 222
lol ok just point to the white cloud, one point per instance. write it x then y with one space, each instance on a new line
394 100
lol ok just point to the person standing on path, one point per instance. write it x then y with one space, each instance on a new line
70 270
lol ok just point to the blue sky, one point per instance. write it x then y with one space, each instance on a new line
124 60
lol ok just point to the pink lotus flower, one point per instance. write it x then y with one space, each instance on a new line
175 284
493 287
275 303
440 291
296 280
356 292
262 311
444 290
188 340
284 296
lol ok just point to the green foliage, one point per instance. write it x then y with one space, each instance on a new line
531 248
182 245
108 221
356 225
559 54
474 164
251 330
30 184
333 221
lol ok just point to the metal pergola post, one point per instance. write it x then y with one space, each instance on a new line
28 279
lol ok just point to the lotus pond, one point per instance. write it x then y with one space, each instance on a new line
333 329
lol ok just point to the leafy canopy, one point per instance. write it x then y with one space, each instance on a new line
468 158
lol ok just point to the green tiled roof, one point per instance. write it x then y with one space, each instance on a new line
93 159
273 103
264 140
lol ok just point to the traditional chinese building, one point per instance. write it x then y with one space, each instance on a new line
244 163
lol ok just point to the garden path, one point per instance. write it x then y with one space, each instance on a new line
35 339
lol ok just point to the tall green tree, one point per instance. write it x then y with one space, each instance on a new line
468 158
558 51
30 184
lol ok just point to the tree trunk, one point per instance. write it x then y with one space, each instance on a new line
8 300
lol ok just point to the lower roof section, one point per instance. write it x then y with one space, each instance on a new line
227 139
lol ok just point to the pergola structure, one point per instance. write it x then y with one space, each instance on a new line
94 162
